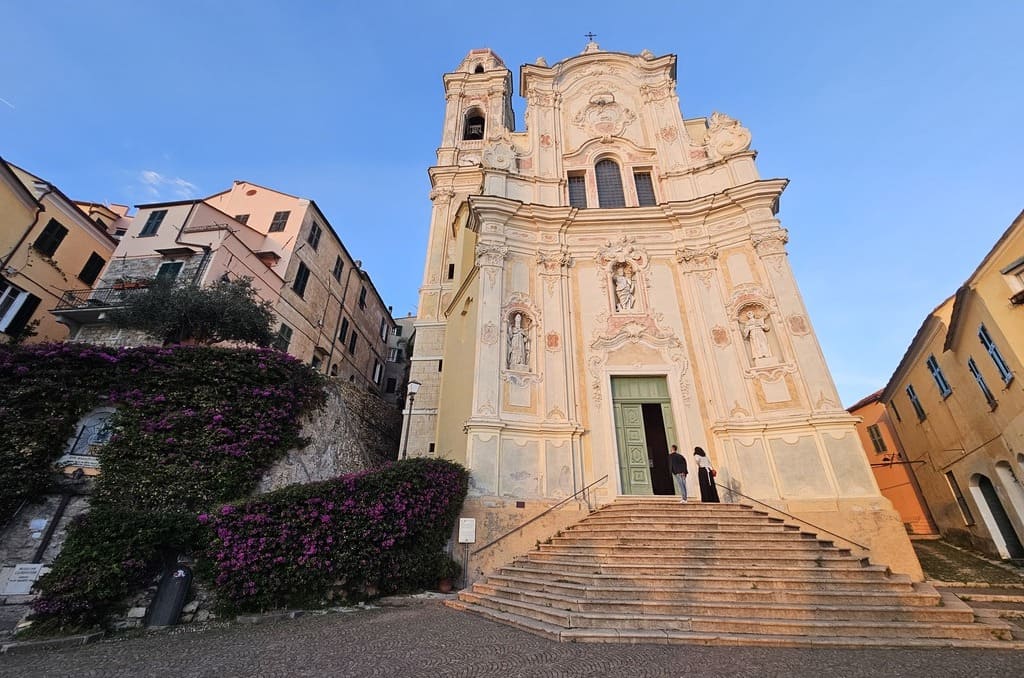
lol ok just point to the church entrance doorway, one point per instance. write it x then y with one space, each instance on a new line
644 429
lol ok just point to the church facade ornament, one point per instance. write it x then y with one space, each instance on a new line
725 136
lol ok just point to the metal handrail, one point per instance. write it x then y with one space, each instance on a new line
541 515
805 522
795 517
100 297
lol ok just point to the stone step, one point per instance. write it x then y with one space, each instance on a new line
717 592
677 540
726 623
663 636
688 579
704 522
745 605
683 565
717 532
711 555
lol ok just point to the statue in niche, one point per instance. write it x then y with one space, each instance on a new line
755 330
518 345
625 289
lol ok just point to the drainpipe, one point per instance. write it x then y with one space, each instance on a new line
28 231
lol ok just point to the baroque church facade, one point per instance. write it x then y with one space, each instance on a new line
609 282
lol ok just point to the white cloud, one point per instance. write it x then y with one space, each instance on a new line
157 185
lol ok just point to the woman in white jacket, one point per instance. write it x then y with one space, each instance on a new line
708 490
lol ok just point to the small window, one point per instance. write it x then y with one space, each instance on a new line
479 68
578 190
334 370
954 487
92 269
430 448
896 413
284 337
609 184
314 235
242 218
362 298
378 371
352 342
474 129
391 385
440 365
301 279
153 223
392 355
339 266
383 329
877 440
644 189
169 272
316 362
978 377
280 221
993 352
939 377
397 331
912 394
451 271
51 238
16 308
344 330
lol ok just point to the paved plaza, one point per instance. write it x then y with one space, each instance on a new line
431 640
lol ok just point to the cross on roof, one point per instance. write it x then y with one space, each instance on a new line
590 36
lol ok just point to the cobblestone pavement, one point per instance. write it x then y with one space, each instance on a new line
430 640
944 562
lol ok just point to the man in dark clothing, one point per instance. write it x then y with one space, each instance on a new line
677 464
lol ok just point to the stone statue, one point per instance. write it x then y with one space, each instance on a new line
624 289
756 332
518 344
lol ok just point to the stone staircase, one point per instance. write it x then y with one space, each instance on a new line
654 570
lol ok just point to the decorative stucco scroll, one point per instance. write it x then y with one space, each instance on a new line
725 136
500 155
770 242
603 116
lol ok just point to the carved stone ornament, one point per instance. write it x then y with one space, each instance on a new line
517 355
646 330
652 93
500 155
490 254
541 61
603 117
541 97
489 334
552 263
442 196
725 136
647 54
669 133
697 258
772 242
624 250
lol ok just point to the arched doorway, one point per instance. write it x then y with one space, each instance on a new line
996 519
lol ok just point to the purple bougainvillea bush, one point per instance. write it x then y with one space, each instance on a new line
193 427
381 531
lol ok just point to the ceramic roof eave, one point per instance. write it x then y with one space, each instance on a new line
19 188
915 343
866 400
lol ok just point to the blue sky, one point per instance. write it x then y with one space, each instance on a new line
898 124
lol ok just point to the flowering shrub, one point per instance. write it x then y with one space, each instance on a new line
377 531
194 427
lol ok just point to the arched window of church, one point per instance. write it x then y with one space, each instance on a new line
479 68
474 129
609 184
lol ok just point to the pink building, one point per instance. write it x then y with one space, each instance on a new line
329 311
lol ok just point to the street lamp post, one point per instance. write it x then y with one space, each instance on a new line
412 389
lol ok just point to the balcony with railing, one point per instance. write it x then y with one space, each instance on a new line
99 298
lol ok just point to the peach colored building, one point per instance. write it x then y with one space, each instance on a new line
957 404
892 470
330 314
46 243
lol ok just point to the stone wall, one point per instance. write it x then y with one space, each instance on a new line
355 430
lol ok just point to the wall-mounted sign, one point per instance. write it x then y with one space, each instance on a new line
467 530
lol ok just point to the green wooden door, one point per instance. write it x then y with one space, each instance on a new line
633 464
629 395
